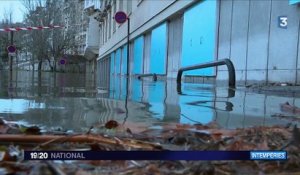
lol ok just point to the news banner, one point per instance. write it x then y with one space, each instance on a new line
155 155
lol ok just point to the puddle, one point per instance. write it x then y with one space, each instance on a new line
59 100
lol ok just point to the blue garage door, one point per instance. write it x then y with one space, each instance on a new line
199 28
158 50
138 55
112 63
112 73
118 61
124 60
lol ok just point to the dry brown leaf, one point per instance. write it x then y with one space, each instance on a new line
82 172
240 145
184 126
286 107
33 130
153 169
111 124
4 156
135 127
217 136
4 129
263 145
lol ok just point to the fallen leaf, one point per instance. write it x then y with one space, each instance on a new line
95 147
111 124
239 145
3 129
217 136
2 122
135 127
82 172
154 169
128 131
33 130
286 107
263 145
184 126
6 156
3 156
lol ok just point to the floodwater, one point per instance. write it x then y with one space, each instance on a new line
74 102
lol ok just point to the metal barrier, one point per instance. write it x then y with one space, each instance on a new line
230 91
148 75
226 61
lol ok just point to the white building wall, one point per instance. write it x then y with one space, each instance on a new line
145 15
249 34
93 33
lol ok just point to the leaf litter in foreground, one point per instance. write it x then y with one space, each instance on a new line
172 137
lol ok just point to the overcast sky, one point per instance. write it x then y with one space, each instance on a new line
16 6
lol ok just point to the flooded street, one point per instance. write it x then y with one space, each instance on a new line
72 102
64 114
149 87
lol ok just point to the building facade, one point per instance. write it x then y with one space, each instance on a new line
261 38
75 20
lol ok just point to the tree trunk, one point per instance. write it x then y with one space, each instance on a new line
40 65
39 91
49 61
32 66
54 66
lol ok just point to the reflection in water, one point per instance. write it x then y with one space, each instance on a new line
14 106
203 103
60 100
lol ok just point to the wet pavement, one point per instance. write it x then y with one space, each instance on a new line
68 101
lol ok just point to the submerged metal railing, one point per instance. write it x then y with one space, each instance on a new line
230 92
226 61
148 75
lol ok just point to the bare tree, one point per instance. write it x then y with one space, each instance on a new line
49 44
35 17
4 36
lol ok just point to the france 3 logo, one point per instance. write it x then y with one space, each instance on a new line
282 22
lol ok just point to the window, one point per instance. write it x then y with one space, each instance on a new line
87 3
90 3
109 24
114 12
97 4
129 7
101 31
120 5
105 31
